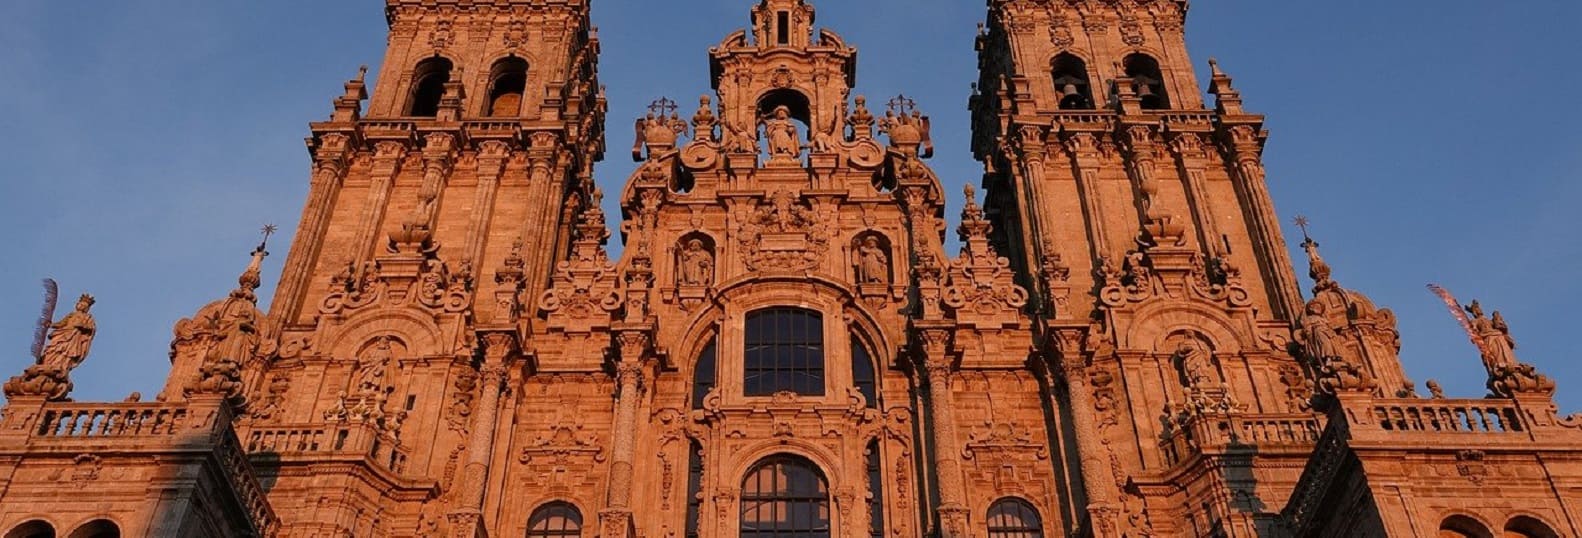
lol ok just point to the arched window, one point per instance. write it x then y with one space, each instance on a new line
32 529
1071 83
703 376
1527 527
694 488
1459 526
507 84
555 520
101 528
784 352
1014 518
1148 81
428 87
875 467
862 372
785 497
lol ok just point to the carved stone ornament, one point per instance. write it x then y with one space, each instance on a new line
783 235
980 280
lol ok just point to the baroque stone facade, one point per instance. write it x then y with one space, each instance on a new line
784 347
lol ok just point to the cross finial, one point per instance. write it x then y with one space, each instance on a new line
663 107
268 230
1302 222
902 105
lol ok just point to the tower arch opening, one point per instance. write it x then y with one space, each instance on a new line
1147 80
99 528
1460 526
507 86
796 103
37 528
1072 83
428 86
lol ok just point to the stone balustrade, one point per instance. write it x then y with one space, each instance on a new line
356 439
1212 432
1445 416
82 420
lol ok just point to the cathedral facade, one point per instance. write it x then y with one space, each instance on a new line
784 349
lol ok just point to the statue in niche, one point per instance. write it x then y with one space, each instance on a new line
784 142
1317 336
697 265
371 371
1196 364
873 265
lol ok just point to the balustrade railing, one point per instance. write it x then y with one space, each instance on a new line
1232 431
1447 416
71 420
352 439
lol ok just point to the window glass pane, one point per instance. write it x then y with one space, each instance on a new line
555 520
784 351
703 376
1014 518
784 497
862 372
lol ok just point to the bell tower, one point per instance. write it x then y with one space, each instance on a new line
434 219
1139 216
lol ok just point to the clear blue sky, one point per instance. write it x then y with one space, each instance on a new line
145 143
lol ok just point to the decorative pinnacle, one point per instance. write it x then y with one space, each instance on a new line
362 72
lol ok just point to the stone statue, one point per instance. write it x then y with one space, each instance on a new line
371 371
1196 364
1317 336
70 338
873 265
1494 338
68 344
697 265
784 142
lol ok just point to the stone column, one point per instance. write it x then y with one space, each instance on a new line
1188 151
492 156
616 519
466 520
1085 152
329 171
952 507
1099 487
388 155
1264 224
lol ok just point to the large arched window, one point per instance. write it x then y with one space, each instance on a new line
784 352
428 87
555 520
32 529
863 374
1148 81
101 528
785 497
1071 83
1459 526
1014 518
507 84
703 375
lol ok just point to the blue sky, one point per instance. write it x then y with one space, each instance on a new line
145 143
